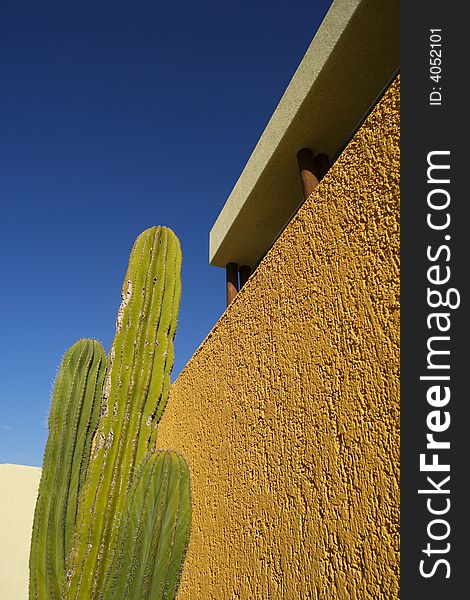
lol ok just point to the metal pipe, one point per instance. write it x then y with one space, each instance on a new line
308 174
231 271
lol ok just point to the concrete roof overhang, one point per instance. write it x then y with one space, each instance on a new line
350 61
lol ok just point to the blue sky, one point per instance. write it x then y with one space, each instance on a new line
116 116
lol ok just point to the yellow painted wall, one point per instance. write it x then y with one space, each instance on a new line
288 413
18 492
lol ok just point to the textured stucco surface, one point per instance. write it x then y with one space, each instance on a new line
288 413
18 492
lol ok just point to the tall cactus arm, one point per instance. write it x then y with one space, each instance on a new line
73 417
153 533
134 395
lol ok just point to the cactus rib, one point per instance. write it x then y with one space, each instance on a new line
72 420
153 533
135 393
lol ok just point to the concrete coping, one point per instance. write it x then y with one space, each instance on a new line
349 63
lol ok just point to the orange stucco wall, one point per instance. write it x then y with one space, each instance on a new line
288 414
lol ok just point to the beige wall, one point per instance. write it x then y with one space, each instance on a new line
18 492
288 413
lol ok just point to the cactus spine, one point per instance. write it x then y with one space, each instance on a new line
72 420
113 516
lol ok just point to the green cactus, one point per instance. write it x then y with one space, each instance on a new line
72 420
127 535
134 396
157 512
